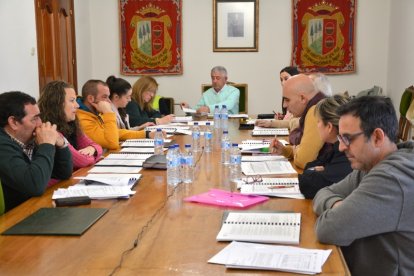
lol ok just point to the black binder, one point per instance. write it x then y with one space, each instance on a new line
158 161
57 221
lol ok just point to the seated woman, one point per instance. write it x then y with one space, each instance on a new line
57 104
139 109
285 120
120 95
332 166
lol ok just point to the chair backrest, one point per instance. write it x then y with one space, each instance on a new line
404 124
243 100
166 105
2 206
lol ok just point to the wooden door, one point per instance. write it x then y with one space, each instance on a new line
56 41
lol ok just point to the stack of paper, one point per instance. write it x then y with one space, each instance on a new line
110 179
168 128
279 187
128 156
267 167
94 192
120 163
272 257
180 119
261 158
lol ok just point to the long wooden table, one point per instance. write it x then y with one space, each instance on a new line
175 239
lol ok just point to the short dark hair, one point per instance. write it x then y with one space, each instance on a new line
291 70
374 112
12 104
90 88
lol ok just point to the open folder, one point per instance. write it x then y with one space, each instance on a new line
57 221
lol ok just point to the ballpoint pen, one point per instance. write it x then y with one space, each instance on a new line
281 187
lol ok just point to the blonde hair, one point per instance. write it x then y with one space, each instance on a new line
326 109
145 83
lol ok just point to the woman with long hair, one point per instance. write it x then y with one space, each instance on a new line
140 109
57 104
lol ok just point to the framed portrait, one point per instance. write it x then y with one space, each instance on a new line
235 25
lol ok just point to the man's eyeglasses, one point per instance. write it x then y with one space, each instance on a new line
347 139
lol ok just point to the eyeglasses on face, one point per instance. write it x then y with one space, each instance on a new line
347 139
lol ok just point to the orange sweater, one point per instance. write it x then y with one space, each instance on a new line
103 130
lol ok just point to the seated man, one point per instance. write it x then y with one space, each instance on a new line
370 213
219 94
98 120
300 98
31 152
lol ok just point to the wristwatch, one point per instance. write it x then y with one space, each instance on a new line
65 143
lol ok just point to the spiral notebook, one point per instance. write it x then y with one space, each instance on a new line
143 143
261 226
270 132
128 156
278 187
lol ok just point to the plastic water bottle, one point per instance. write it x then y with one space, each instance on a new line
217 117
224 118
235 163
225 148
208 138
158 142
177 162
196 138
172 169
187 162
217 127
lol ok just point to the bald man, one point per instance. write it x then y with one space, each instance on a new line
300 98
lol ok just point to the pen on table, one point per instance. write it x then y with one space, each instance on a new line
281 187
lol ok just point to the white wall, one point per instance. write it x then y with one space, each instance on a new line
259 70
401 50
18 47
384 57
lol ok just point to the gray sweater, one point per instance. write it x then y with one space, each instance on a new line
375 222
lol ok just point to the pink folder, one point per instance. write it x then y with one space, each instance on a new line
226 198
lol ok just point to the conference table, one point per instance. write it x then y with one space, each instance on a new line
154 232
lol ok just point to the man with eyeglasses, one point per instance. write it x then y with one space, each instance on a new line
32 151
370 213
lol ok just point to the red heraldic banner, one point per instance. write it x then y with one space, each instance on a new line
150 37
323 36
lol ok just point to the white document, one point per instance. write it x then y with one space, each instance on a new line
120 163
272 257
128 156
267 227
138 150
94 192
180 119
261 158
110 179
238 116
279 187
267 167
188 110
248 145
115 170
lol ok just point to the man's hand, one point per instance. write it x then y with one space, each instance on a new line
46 133
103 107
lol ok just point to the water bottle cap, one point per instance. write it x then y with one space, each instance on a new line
187 146
195 123
225 132
235 145
171 147
158 129
224 106
208 123
216 106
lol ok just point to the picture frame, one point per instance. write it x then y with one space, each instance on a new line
235 25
